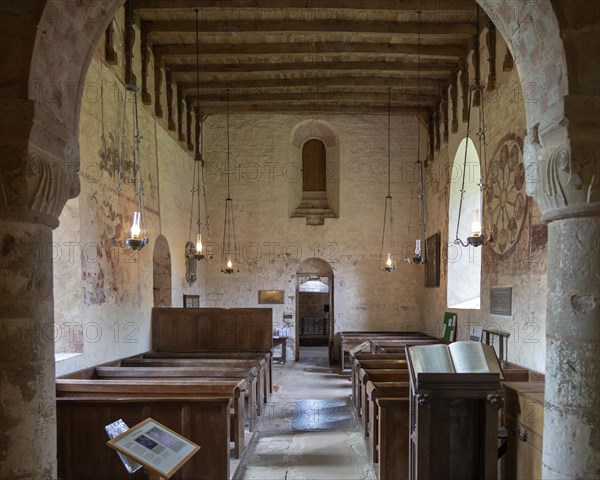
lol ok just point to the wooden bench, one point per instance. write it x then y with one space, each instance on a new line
370 364
388 442
166 388
81 445
210 363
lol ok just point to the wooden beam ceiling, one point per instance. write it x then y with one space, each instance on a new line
307 56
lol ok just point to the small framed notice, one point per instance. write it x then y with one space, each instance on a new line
501 301
156 447
270 296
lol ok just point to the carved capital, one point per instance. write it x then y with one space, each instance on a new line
560 178
39 165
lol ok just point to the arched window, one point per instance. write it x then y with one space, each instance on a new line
464 264
314 166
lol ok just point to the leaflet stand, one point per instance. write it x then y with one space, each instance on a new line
159 449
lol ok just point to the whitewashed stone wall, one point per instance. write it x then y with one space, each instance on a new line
273 245
524 268
104 291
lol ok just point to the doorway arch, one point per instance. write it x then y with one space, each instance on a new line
314 305
161 272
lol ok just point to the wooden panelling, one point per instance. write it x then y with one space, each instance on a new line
212 329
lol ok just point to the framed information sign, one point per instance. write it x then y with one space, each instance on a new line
156 447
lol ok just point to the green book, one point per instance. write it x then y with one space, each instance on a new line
449 331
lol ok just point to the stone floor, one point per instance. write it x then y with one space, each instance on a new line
309 431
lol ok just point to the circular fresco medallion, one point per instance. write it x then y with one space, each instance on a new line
505 199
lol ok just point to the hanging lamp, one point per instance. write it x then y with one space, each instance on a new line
229 256
420 255
138 238
388 263
478 237
195 251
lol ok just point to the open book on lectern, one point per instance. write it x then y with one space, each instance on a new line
458 357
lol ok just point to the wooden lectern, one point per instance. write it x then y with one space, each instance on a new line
453 425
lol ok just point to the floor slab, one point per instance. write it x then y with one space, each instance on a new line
309 430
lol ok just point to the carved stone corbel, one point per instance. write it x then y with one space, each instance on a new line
180 107
491 47
170 116
464 84
188 119
454 99
145 49
444 106
158 81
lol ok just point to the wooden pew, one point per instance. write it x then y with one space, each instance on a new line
376 375
265 359
194 388
370 364
198 373
210 363
82 450
388 442
350 339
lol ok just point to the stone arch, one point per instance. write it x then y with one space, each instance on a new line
162 283
539 45
312 205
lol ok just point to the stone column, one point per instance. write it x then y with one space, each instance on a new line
572 395
34 185
565 187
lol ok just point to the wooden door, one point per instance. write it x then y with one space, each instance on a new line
314 166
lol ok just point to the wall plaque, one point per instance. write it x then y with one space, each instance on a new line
270 296
501 301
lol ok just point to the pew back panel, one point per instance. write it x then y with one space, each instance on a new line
212 329
82 450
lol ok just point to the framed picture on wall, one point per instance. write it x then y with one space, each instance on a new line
191 301
432 266
270 296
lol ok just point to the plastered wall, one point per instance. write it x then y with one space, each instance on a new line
522 267
103 291
272 245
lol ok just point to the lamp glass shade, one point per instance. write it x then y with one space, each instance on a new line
199 243
135 226
476 225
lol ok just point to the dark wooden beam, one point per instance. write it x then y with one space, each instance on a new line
406 6
448 52
282 67
369 81
212 27
313 108
397 98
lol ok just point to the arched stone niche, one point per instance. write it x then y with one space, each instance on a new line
315 206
